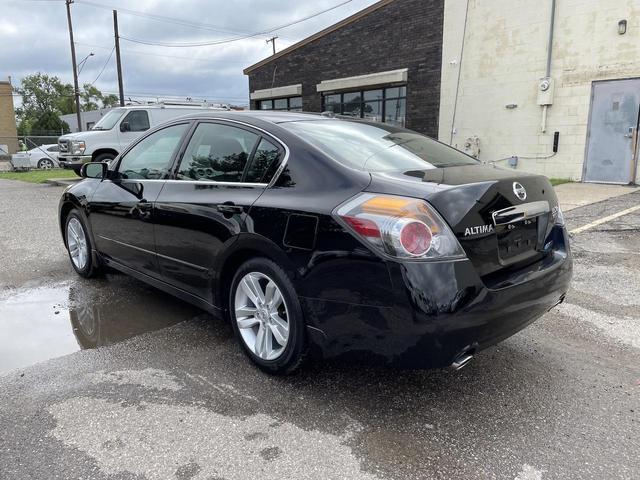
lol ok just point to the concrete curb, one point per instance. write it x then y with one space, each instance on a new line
62 182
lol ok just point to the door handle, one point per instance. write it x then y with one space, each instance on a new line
629 133
229 208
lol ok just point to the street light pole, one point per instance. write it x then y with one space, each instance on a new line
75 67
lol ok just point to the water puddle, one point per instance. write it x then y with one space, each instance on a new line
41 323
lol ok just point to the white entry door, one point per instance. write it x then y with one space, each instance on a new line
612 135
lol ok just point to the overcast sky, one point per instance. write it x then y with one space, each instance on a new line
34 38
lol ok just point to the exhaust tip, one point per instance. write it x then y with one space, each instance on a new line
461 361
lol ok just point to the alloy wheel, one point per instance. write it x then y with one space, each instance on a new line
46 164
262 316
77 243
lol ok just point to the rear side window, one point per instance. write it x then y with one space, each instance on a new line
138 120
264 164
218 153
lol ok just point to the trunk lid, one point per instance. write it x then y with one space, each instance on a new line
501 217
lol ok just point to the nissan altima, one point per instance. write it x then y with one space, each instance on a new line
325 236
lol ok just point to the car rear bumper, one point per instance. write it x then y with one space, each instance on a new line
442 310
74 162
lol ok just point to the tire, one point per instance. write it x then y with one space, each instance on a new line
104 157
269 355
77 235
46 164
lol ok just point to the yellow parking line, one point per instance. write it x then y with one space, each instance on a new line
604 220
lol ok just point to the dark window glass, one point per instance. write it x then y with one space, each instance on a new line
352 105
138 120
372 95
53 149
395 111
333 103
151 158
295 103
377 148
372 111
217 152
266 157
280 104
266 105
396 92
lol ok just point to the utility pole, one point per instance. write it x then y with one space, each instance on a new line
118 61
75 67
272 40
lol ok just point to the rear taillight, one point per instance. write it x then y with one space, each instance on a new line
401 227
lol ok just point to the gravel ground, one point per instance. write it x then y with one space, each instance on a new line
560 400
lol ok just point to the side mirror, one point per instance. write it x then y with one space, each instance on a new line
125 127
94 170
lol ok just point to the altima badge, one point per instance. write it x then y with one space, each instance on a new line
478 230
519 190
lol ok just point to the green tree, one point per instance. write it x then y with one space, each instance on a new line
49 123
45 97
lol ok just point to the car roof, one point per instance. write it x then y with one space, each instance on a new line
264 115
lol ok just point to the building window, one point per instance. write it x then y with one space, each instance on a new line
292 103
387 105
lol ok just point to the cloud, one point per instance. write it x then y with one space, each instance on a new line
36 32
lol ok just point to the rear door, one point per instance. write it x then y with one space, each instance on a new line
224 168
121 209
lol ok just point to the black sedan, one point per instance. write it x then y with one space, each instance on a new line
325 236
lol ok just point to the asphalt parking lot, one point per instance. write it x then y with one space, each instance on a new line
169 395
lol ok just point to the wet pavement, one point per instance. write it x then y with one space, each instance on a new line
560 400
41 323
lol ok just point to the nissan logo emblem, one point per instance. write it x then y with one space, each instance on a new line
519 191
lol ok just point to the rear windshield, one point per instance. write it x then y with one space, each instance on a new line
376 147
109 120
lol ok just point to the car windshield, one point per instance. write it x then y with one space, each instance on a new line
376 147
109 120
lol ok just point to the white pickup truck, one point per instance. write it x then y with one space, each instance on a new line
115 131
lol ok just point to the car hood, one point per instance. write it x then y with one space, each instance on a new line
82 135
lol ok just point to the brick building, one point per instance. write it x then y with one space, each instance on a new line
383 63
8 132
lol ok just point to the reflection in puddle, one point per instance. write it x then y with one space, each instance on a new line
47 322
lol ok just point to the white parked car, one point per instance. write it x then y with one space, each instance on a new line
116 130
44 156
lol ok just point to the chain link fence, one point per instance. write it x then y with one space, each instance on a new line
29 151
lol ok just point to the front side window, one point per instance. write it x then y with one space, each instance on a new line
53 148
138 121
218 153
151 158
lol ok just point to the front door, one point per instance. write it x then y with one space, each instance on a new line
121 209
131 127
224 169
612 134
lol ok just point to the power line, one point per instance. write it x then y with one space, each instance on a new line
235 39
105 65
162 18
138 52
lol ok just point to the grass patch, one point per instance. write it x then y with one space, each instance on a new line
37 175
559 181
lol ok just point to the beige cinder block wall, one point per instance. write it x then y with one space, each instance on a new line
8 131
505 52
